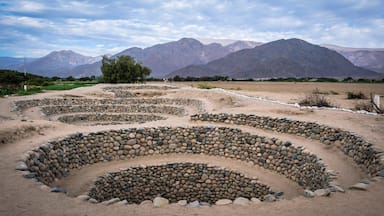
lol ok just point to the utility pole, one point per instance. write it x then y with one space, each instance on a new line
25 77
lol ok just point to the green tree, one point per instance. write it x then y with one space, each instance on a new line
124 69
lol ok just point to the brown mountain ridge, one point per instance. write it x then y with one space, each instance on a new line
281 58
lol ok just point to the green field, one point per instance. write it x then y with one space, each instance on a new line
51 86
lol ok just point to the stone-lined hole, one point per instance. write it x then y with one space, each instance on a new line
108 119
87 104
135 108
57 158
176 181
127 91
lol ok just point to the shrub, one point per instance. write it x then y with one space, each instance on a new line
205 86
315 100
354 95
30 91
367 106
317 91
333 92
6 91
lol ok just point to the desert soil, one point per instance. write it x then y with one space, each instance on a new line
22 133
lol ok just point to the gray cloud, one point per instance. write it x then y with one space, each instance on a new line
36 27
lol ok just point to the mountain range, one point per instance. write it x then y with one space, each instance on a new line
237 59
281 58
370 58
56 63
14 63
168 57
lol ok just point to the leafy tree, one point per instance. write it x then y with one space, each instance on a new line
124 69
70 78
15 78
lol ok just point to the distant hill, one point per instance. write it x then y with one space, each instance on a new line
240 45
87 70
13 63
370 58
58 63
281 58
11 78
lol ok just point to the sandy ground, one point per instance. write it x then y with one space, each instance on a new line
26 197
290 92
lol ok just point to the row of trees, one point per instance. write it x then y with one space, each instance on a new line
123 69
11 78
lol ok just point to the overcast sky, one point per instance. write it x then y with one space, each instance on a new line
34 28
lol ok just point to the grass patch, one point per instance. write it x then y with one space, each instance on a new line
30 91
205 86
7 91
53 86
315 100
355 95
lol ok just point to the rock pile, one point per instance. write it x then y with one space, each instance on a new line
56 158
175 182
362 152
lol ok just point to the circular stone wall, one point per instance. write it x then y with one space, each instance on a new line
176 181
362 152
102 118
170 110
25 104
88 104
57 158
126 91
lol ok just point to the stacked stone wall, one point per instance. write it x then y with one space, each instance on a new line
25 104
110 118
354 146
135 108
176 181
125 91
55 159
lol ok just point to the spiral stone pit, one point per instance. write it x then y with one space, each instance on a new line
105 118
110 111
176 181
163 109
126 91
57 159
